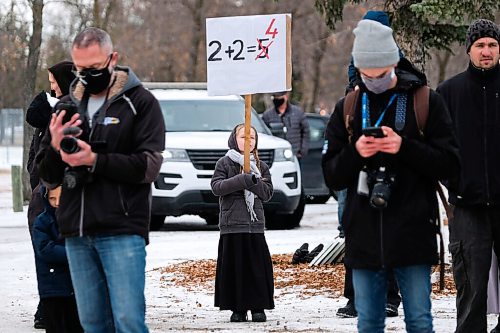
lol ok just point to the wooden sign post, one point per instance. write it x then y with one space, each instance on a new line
248 55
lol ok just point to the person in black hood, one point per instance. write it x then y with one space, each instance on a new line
118 134
473 99
40 109
38 115
390 173
244 275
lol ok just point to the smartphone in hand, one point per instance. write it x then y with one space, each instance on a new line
375 132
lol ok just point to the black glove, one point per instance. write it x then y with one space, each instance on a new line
39 111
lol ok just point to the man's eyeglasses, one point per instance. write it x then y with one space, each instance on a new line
91 71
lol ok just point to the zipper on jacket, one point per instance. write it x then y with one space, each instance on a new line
485 141
382 261
124 207
82 202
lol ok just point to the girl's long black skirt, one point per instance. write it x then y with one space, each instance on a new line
244 277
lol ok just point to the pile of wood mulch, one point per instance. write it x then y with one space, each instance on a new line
302 280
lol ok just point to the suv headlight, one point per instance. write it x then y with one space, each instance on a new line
283 154
175 155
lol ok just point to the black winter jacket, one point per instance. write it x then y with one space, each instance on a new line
405 233
128 134
229 183
473 99
38 116
52 269
297 126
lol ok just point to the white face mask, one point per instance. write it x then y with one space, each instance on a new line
381 84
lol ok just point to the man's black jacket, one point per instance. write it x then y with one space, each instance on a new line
405 232
473 99
131 134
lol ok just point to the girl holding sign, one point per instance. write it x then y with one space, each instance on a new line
244 277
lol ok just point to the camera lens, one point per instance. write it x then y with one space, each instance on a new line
378 202
69 145
380 195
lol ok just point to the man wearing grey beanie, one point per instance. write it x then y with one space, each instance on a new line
472 97
390 170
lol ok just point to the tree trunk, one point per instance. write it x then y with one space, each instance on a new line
443 63
96 13
318 57
29 85
197 14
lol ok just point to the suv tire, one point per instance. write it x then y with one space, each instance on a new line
318 199
156 222
286 221
211 219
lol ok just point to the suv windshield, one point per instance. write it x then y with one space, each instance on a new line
206 115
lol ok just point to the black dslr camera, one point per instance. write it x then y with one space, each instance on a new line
74 176
381 182
69 144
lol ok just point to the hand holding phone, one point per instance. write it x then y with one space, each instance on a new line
375 132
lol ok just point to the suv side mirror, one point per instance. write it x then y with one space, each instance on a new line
277 129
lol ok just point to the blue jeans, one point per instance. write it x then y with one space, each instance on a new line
108 274
370 290
341 198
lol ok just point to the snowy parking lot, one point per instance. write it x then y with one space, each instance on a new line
176 309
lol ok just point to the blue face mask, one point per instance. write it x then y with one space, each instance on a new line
381 84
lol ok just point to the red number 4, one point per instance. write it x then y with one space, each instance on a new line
274 32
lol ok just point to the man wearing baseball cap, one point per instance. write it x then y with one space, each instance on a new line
473 99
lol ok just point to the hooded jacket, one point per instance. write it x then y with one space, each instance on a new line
39 112
404 233
128 134
297 127
473 99
52 270
228 182
63 74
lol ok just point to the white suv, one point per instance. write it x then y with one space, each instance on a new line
197 131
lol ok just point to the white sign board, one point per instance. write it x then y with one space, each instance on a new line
249 54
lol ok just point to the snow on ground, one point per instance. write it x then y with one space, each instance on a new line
174 309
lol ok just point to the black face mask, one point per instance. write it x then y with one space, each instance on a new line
278 102
53 93
95 80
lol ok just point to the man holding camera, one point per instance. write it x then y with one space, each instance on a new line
104 212
390 172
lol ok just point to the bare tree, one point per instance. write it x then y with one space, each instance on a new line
102 16
196 9
29 86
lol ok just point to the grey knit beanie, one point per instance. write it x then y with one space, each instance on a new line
479 29
374 45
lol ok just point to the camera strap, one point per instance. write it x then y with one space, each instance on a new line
365 110
400 119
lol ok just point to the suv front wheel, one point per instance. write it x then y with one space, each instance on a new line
211 219
156 222
276 221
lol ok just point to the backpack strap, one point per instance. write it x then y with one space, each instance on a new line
421 107
349 110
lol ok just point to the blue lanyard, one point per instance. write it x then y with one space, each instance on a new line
365 111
